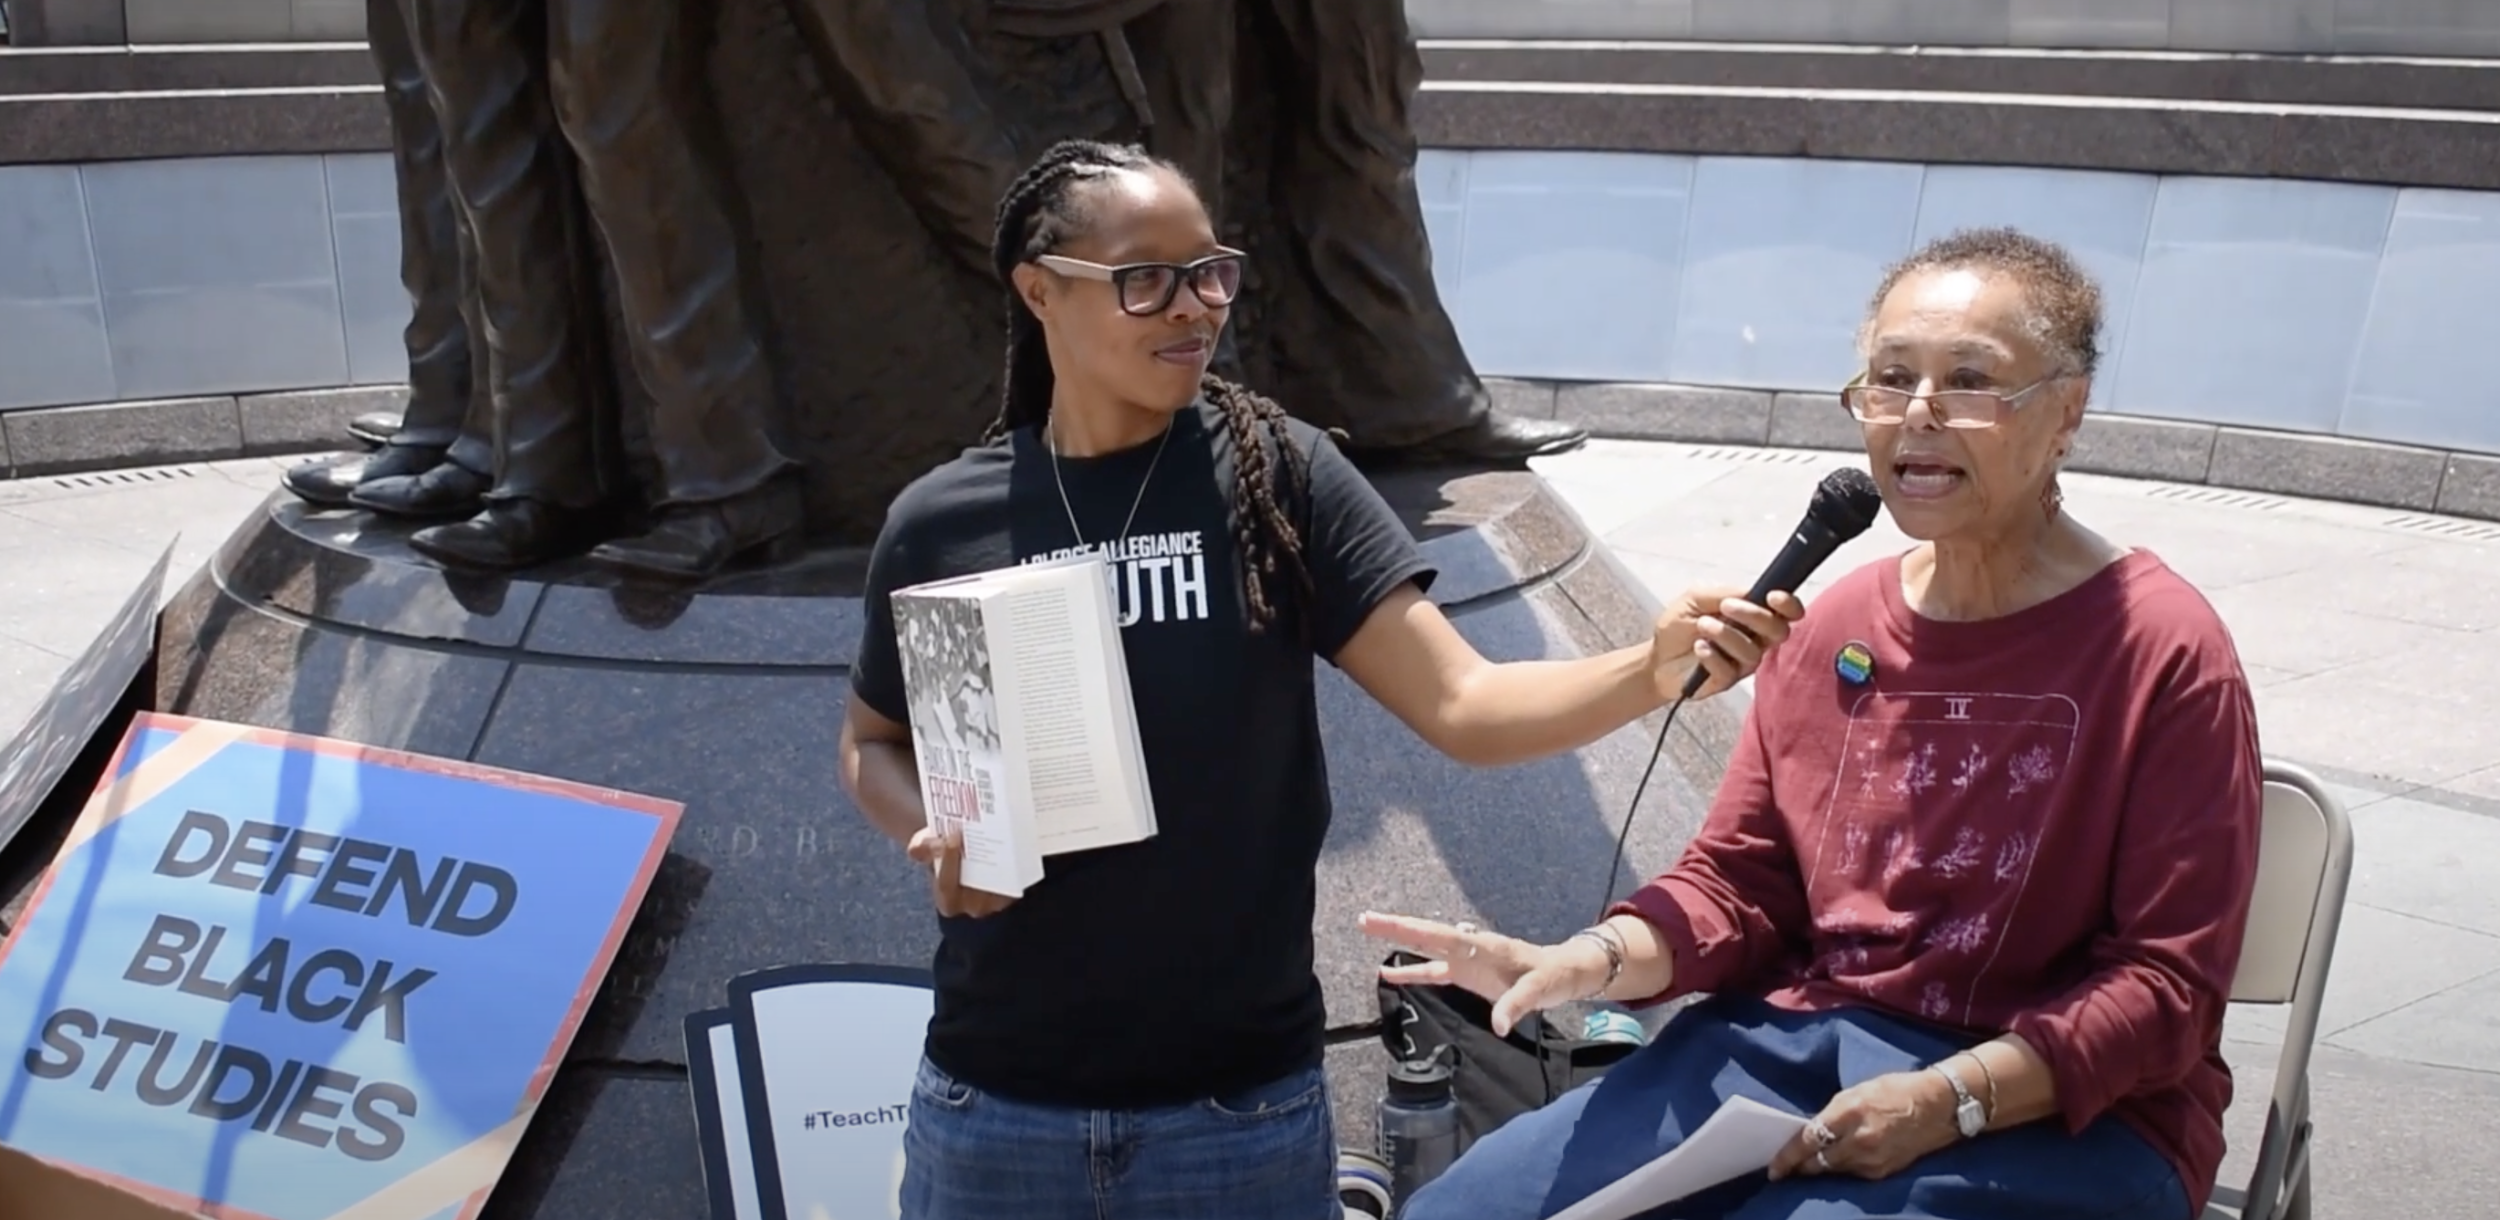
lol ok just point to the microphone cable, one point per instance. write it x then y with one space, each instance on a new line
1632 809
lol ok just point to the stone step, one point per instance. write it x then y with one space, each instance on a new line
26 71
2461 84
2380 145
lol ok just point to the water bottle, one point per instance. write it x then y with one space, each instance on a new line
1418 1122
1610 1026
1363 1185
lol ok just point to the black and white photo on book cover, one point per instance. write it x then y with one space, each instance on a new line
1022 720
954 696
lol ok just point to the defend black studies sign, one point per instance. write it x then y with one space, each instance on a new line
288 978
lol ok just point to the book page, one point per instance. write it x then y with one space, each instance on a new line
1740 1138
965 783
1080 753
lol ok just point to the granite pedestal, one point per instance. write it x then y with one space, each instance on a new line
729 698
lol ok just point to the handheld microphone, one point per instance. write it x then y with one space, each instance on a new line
1845 503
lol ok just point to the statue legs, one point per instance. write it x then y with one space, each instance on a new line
1185 54
514 79
902 79
510 174
1371 348
631 102
436 458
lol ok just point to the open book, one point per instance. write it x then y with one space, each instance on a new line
1741 1137
1021 716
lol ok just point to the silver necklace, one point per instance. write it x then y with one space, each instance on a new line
1051 439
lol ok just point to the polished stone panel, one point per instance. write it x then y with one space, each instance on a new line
605 1146
218 275
224 660
1441 187
52 339
1779 259
1569 262
350 569
797 618
2102 219
2424 355
2251 301
364 222
790 871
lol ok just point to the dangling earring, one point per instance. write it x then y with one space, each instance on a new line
2053 497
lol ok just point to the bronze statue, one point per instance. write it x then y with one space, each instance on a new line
1355 335
435 458
539 98
582 191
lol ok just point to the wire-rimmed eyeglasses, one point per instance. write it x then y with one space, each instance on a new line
1146 289
1884 404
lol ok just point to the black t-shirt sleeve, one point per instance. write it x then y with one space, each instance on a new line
877 672
1357 549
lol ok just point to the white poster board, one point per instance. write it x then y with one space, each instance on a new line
826 1060
720 1116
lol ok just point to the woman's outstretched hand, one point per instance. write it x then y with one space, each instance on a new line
1720 631
1520 978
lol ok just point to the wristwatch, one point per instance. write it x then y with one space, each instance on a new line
1967 1113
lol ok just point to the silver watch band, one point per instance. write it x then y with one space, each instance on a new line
1968 1116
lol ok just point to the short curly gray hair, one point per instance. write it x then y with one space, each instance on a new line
2062 302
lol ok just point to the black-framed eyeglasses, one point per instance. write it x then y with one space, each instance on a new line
1884 404
1146 289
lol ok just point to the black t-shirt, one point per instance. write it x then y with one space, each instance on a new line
1180 967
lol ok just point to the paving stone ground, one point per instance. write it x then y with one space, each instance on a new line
2373 637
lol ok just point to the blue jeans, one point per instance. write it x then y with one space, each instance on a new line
1267 1153
1542 1162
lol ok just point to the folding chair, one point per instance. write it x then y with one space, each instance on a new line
2304 861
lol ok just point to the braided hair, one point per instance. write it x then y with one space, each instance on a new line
1043 209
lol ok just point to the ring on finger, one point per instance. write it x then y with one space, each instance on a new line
1822 1135
1822 1162
1468 931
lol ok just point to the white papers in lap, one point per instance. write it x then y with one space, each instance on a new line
1742 1137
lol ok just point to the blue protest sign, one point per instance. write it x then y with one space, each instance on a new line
282 977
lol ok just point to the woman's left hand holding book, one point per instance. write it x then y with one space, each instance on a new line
943 852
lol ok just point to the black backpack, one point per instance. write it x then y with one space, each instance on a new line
1495 1078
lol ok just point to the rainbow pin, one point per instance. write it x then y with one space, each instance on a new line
1855 663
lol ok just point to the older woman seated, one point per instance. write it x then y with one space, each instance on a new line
1971 894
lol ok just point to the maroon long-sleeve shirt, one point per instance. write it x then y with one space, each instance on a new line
2044 823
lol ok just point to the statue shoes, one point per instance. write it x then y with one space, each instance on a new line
331 481
449 489
1497 437
508 534
693 541
374 429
